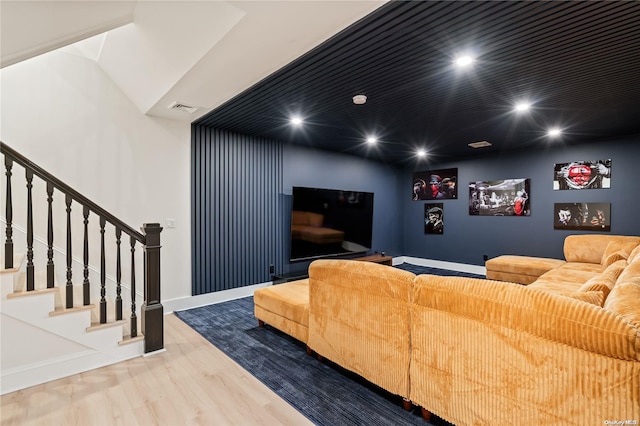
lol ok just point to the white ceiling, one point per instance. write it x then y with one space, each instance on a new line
197 53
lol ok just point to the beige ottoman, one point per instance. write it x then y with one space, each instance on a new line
519 269
285 307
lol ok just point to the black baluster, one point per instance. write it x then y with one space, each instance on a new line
69 287
86 285
50 265
8 243
103 276
30 269
118 277
134 318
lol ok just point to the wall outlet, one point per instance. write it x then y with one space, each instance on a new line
272 269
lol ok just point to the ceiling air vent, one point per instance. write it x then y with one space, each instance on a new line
480 144
183 107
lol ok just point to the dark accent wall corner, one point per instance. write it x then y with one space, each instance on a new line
236 209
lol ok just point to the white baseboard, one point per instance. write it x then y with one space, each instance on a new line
210 298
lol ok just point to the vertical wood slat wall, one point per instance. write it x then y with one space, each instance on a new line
237 209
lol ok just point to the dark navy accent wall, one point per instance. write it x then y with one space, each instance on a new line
467 238
322 169
241 203
236 182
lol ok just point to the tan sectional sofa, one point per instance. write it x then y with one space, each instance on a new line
564 349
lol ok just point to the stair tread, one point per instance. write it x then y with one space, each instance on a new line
128 339
98 326
62 311
31 293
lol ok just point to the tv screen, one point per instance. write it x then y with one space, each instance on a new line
330 222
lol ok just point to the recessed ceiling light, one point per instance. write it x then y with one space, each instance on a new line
296 120
359 99
463 61
480 144
554 132
421 153
372 139
522 106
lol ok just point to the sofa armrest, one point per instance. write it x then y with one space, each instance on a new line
536 312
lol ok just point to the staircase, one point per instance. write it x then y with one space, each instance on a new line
49 330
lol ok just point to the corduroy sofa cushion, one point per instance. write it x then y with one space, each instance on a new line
624 300
285 307
487 352
535 311
622 248
593 297
359 319
605 280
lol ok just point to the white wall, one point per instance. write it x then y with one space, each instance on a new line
66 115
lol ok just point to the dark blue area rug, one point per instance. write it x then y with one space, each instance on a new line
325 393
435 271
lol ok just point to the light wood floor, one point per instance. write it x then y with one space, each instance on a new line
192 383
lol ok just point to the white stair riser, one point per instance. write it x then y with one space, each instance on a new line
72 325
101 344
34 306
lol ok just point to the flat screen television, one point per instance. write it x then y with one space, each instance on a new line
330 223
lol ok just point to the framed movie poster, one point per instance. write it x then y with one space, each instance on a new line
582 175
434 218
435 184
509 197
582 216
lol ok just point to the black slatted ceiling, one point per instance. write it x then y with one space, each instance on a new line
578 61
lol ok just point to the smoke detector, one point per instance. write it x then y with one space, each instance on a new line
359 99
183 107
480 144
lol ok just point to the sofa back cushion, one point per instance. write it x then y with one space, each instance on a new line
593 297
634 255
554 317
359 319
624 300
591 248
631 271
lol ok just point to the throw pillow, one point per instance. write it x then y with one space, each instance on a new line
613 257
601 283
617 246
593 297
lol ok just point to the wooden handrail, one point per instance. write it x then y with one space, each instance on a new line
66 189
